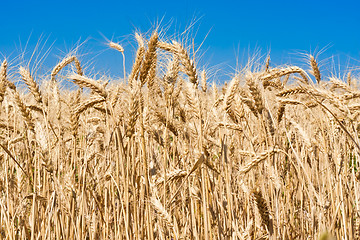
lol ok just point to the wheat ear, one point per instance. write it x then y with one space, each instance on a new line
150 57
263 209
171 176
167 122
259 158
255 92
267 65
189 92
166 46
276 73
81 107
3 74
286 79
90 83
163 214
189 67
116 46
150 77
339 84
348 79
280 111
276 83
24 111
134 112
30 82
229 98
64 63
250 103
172 72
203 80
291 91
315 69
138 60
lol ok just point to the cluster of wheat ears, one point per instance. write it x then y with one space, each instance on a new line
160 155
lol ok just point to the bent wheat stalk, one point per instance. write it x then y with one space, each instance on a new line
276 73
64 63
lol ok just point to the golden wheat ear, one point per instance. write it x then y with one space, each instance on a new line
315 69
138 59
263 210
24 111
255 91
64 63
149 58
116 46
277 73
203 80
230 98
348 79
3 75
32 85
95 86
188 63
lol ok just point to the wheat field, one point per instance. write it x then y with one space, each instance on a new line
165 154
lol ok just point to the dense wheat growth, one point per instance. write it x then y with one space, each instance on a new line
165 154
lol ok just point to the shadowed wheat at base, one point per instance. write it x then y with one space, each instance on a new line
165 153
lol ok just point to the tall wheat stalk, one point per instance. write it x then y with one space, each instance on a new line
266 155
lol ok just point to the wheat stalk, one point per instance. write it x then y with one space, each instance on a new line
171 159
74 118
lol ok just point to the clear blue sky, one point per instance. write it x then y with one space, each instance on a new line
234 27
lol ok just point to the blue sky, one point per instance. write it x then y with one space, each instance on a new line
233 29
